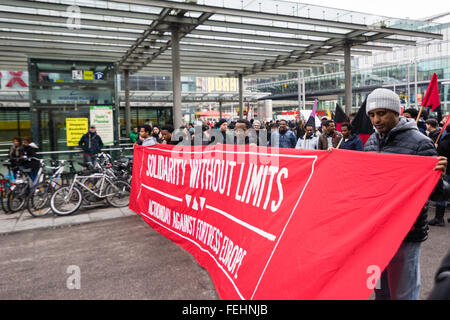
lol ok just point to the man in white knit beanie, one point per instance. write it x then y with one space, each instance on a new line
395 134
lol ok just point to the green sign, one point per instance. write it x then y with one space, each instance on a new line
102 118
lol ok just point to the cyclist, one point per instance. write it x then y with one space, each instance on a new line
91 143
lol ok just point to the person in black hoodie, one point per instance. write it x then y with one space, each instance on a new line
443 149
30 150
432 129
91 143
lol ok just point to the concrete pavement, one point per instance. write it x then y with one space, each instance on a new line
116 258
121 257
23 220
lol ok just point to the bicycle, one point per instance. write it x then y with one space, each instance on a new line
3 192
17 196
7 183
38 203
68 199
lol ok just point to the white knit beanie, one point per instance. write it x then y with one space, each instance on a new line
383 99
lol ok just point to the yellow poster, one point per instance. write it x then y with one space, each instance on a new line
75 128
88 75
233 84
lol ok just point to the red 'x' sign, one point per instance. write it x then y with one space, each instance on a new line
16 78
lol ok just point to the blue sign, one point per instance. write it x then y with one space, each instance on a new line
98 75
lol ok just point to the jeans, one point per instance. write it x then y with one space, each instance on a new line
401 278
90 158
33 175
443 203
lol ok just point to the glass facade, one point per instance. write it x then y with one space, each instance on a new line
59 90
14 122
157 83
139 116
401 70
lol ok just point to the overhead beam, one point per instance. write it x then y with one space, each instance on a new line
63 20
26 25
203 17
283 18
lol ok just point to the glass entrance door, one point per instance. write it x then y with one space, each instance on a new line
54 129
62 89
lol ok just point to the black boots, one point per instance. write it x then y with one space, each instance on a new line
439 217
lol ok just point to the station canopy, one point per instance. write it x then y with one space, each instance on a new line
257 38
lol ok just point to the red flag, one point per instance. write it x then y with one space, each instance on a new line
432 96
258 220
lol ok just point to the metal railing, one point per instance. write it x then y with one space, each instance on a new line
76 151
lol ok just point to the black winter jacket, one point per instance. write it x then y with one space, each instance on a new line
91 143
434 134
406 138
353 143
30 152
444 149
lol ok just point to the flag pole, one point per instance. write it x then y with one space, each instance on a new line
420 112
442 130
339 144
439 136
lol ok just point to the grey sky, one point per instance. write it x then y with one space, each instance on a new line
412 9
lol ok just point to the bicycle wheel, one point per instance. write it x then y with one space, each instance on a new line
119 194
63 202
38 203
16 199
3 193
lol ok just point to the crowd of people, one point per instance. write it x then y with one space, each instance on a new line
393 134
279 133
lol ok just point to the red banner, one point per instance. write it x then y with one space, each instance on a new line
270 223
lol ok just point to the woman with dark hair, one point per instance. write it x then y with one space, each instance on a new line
222 126
156 133
301 130
15 153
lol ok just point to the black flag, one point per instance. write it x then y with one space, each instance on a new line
362 124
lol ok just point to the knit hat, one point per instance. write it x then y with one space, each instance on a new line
383 99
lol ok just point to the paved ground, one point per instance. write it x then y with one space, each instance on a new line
23 220
120 257
117 259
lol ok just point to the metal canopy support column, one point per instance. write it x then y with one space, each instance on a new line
300 92
241 96
415 84
348 78
176 78
408 92
220 108
126 74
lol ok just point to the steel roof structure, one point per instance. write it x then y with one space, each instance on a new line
217 38
232 38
